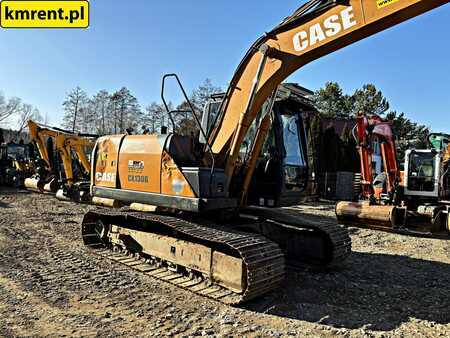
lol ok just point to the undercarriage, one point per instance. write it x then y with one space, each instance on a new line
232 263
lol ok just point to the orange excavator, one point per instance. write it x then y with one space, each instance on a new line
188 220
414 201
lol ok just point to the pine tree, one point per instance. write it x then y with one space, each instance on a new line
369 100
331 102
408 134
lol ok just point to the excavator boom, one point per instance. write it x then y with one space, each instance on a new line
371 130
67 145
316 29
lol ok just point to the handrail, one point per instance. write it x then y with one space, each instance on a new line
192 110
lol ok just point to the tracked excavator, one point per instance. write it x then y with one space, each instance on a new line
188 219
67 173
15 164
415 201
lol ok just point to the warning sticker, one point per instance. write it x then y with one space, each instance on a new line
384 3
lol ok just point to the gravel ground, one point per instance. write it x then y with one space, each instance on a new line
50 285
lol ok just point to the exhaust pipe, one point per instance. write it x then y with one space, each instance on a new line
362 214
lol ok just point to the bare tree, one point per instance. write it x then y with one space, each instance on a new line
101 105
154 117
202 95
46 119
27 112
184 119
8 107
75 103
127 113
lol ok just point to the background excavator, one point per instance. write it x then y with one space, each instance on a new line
64 164
16 164
415 201
202 234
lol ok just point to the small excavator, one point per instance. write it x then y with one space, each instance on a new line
188 217
67 173
15 164
415 201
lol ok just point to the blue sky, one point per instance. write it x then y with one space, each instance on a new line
133 43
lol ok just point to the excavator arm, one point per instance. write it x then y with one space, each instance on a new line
79 147
38 136
316 29
66 143
367 131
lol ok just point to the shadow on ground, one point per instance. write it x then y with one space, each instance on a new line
9 195
373 291
3 205
5 191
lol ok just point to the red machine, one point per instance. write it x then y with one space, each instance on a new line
368 131
398 201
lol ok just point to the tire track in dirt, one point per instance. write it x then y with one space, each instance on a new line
51 286
59 275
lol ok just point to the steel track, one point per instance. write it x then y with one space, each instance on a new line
263 259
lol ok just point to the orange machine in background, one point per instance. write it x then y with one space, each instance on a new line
64 165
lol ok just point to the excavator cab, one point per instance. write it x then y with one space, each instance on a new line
426 175
427 171
281 175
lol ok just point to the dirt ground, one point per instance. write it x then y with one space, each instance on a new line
50 285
